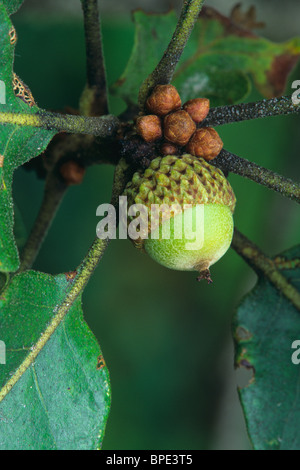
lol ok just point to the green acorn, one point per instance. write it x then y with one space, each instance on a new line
185 217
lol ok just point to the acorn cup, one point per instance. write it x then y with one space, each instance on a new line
185 212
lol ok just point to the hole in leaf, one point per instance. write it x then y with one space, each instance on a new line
242 334
245 373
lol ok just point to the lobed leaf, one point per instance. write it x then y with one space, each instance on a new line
266 326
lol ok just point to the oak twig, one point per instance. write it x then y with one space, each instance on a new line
240 166
53 195
120 180
247 111
105 126
94 98
265 266
164 71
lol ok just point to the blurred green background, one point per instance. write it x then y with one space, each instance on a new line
166 338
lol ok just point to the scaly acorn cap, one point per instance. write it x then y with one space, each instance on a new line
177 180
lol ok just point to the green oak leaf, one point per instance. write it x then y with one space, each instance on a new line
266 326
62 400
17 145
219 61
152 35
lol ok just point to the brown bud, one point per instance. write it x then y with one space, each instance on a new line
205 143
198 109
72 173
169 149
179 127
163 100
149 127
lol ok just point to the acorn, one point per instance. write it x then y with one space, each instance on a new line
185 210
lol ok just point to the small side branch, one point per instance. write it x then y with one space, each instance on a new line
121 178
53 195
247 111
82 275
286 187
105 126
94 99
265 266
164 71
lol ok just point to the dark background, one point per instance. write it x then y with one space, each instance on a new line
166 338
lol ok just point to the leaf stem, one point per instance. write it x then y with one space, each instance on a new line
265 266
286 187
164 71
53 195
247 111
94 98
105 126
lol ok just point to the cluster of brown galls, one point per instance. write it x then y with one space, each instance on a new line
176 124
171 125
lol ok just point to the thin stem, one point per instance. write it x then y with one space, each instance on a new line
286 187
84 272
79 282
247 111
53 195
164 71
105 126
120 179
264 266
94 99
